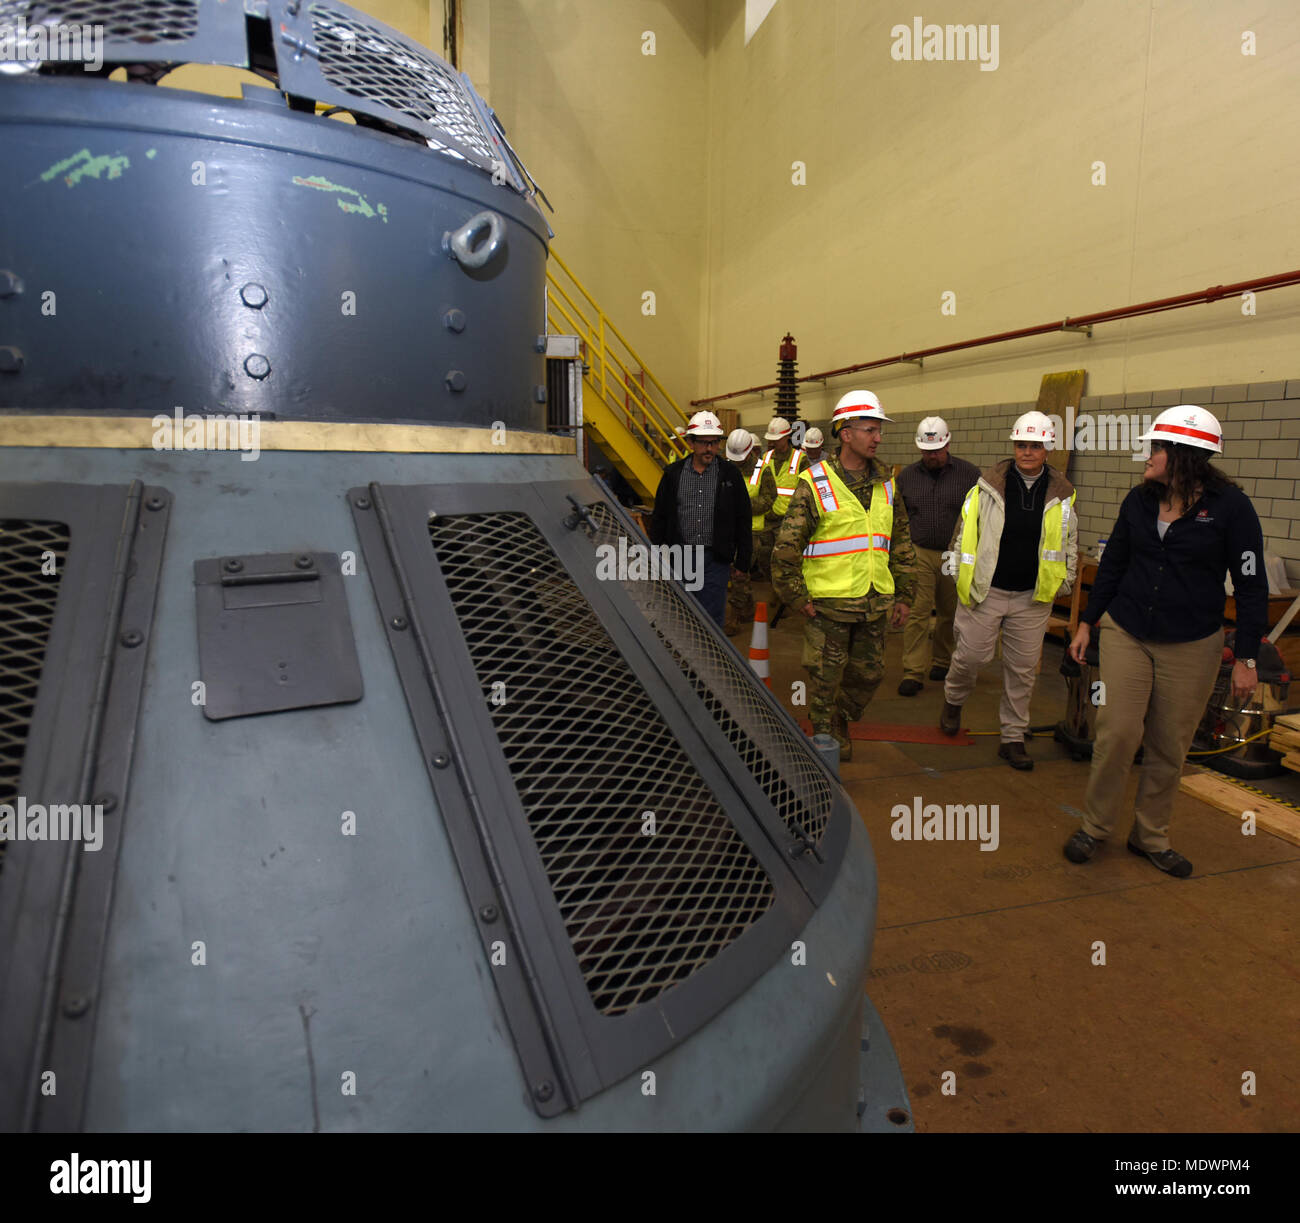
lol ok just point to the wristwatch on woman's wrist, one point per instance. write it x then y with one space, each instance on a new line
1250 662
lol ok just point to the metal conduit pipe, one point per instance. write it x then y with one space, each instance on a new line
1081 323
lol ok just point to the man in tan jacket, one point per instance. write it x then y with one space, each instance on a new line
1014 551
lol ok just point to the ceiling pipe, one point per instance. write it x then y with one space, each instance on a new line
1083 322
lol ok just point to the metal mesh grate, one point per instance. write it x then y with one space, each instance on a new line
590 756
141 21
363 59
772 751
27 600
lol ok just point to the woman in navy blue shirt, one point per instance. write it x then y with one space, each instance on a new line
1159 598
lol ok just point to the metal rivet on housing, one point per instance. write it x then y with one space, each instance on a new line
256 366
132 637
253 295
454 319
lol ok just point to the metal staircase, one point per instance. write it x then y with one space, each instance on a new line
628 412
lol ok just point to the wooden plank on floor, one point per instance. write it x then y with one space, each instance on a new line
1220 793
1290 720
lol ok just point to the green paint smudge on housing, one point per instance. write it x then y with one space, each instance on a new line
87 167
151 153
361 204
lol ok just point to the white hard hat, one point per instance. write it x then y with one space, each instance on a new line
855 404
1186 425
1034 427
779 428
932 433
812 439
704 425
753 437
739 444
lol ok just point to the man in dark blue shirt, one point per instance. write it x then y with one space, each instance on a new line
1159 598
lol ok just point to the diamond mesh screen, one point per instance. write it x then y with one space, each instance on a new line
590 756
27 600
363 59
772 751
141 21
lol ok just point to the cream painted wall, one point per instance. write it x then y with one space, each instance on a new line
926 177
617 139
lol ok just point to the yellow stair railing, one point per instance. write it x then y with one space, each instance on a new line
630 414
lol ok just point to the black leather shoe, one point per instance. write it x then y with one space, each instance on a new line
910 687
1168 860
1015 755
938 673
1081 847
950 719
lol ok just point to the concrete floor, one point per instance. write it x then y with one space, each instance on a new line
983 960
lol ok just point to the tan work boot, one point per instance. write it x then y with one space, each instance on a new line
840 733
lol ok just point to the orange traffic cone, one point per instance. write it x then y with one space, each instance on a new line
758 653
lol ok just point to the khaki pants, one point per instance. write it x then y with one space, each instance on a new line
1155 695
1022 623
934 589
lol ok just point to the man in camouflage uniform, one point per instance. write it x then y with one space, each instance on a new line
844 637
777 462
743 451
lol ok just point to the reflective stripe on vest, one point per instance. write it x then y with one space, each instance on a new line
1053 567
848 554
787 481
756 479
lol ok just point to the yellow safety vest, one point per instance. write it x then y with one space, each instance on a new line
848 554
1052 566
787 480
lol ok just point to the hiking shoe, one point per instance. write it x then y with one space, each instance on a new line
1081 847
1016 756
938 674
1167 860
910 687
950 719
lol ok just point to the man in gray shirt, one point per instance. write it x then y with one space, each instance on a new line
933 490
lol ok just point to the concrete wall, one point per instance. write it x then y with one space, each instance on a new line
1261 438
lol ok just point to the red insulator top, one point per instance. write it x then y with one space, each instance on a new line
787 347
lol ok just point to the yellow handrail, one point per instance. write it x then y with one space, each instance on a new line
647 422
621 338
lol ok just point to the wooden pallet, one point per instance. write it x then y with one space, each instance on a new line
1284 741
1222 794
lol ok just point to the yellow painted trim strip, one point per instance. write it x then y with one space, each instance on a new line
137 433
